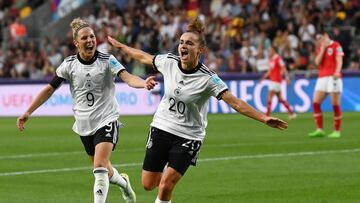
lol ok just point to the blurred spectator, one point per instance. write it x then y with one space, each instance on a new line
238 32
248 55
307 31
355 60
17 29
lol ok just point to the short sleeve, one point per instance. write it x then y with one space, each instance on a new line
217 86
115 65
339 50
159 61
281 62
63 70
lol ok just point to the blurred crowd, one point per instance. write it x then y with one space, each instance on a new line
238 33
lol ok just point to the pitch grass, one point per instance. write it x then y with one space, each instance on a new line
240 161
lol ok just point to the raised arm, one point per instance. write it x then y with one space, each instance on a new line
137 54
42 97
245 109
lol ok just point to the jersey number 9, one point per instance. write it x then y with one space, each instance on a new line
90 98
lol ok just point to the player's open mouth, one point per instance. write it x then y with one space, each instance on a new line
184 54
89 47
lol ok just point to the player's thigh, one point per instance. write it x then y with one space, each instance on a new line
103 152
335 98
270 95
183 153
319 96
105 140
157 150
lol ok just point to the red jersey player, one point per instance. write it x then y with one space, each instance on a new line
329 58
276 69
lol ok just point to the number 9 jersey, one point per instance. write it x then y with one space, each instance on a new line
93 90
184 105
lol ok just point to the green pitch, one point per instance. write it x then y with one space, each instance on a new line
240 161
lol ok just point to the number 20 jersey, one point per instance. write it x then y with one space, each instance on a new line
93 90
184 105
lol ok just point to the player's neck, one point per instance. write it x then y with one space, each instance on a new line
189 66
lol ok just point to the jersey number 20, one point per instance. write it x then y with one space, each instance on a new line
177 106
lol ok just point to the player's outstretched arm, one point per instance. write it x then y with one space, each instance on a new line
38 101
244 108
137 54
137 82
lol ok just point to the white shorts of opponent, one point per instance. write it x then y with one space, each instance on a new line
274 86
328 84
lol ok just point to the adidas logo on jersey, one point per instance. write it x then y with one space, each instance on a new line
108 135
99 192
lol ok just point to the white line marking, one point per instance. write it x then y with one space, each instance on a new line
253 156
35 155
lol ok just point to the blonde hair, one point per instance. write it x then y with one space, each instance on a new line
76 25
197 27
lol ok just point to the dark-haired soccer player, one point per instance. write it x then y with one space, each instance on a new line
329 59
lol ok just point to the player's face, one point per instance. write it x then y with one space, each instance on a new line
189 49
86 43
271 51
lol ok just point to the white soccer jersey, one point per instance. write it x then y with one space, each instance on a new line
93 90
183 108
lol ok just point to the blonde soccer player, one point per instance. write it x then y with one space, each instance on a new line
91 75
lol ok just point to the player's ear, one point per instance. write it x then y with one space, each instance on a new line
201 49
76 43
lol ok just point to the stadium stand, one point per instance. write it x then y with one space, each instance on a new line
238 32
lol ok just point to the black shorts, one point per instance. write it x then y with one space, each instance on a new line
165 148
108 133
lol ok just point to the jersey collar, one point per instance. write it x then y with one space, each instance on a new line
91 61
189 71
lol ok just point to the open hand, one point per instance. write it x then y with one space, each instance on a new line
276 123
21 121
114 42
150 83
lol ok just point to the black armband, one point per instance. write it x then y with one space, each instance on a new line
153 63
219 96
120 71
56 82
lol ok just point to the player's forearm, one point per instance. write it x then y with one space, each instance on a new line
319 57
247 110
135 81
339 63
138 55
42 97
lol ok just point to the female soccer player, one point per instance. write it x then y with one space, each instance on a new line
329 59
91 77
276 70
178 126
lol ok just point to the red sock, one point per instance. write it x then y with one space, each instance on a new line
337 117
287 106
318 115
268 108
